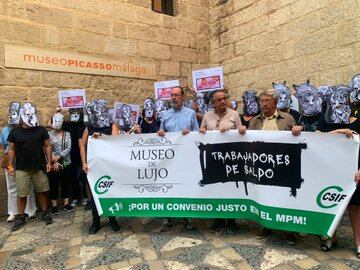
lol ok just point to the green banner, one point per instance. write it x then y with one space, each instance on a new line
271 217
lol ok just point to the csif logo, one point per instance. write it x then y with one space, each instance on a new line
103 184
329 197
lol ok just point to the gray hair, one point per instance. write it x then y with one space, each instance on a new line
270 92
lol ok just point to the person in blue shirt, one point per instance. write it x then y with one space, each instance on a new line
178 119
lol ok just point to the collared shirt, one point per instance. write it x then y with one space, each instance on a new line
283 121
177 120
212 121
269 123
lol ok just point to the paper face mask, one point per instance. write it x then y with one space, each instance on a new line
338 104
98 113
75 115
14 113
250 100
28 115
355 86
57 121
126 115
234 104
149 107
284 100
159 107
309 98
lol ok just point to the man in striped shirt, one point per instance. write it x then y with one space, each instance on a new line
178 119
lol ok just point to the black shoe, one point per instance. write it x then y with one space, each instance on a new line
47 218
55 210
216 226
19 223
114 225
188 225
94 228
68 208
290 238
231 227
167 224
263 233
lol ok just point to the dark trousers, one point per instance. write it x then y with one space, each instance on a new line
95 214
60 179
78 182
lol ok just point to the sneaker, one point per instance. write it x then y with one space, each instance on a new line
167 224
55 210
32 214
188 224
47 218
231 227
84 202
74 203
265 232
94 228
68 208
114 225
19 223
11 218
216 226
290 238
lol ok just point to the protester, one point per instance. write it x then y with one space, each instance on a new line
272 119
26 154
337 119
30 210
310 104
60 176
251 107
99 124
223 119
178 119
78 180
148 122
284 100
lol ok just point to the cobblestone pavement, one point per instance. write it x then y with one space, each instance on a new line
66 244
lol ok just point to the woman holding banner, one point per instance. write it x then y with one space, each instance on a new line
99 124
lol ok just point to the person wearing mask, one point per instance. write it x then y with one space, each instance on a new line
30 210
99 123
28 145
60 176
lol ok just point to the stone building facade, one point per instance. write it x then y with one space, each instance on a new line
256 41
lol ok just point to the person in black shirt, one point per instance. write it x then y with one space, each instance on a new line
284 100
251 107
99 124
74 127
27 162
148 122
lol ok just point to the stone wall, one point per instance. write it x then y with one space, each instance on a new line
111 28
261 41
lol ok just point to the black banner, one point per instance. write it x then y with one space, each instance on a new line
260 163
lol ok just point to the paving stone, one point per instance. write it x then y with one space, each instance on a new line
252 254
231 254
72 262
307 263
339 266
111 256
45 248
119 265
149 255
134 261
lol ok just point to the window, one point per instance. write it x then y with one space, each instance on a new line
163 6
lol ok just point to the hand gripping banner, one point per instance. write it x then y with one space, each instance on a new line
301 183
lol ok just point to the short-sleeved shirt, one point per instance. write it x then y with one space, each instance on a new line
147 127
177 120
212 121
74 128
29 147
3 138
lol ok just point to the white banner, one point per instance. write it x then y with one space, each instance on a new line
284 182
